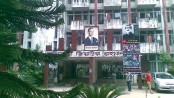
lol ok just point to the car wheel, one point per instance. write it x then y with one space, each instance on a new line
156 88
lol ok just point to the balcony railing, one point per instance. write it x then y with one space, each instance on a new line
149 48
112 3
146 23
80 3
146 3
144 47
113 24
78 25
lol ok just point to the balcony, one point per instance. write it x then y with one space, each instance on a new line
145 23
80 4
146 3
111 4
113 24
78 25
149 47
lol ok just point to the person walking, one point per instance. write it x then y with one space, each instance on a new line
148 81
129 79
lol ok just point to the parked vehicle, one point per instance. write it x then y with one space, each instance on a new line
162 81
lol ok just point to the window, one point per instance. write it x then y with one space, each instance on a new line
22 37
158 16
78 17
29 45
168 16
100 19
80 38
69 1
116 38
134 17
55 33
143 37
124 18
100 1
159 37
102 40
91 1
115 15
124 0
70 18
171 37
91 19
142 15
55 45
85 17
149 15
68 39
29 35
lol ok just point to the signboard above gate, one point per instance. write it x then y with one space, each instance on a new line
92 53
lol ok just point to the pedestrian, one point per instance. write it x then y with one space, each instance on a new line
114 77
148 81
129 80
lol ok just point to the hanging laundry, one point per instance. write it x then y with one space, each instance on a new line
108 17
158 37
150 38
117 16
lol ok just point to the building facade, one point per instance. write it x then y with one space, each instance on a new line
155 19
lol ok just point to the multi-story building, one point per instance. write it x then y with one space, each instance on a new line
156 31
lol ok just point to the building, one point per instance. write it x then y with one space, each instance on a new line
92 64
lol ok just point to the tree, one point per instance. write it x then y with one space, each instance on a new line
105 91
26 15
13 87
9 49
166 59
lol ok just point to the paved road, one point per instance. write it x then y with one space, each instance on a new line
136 93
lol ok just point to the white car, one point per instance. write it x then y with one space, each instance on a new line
162 81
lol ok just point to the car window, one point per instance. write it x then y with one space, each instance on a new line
164 76
153 75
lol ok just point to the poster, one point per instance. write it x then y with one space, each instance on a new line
91 38
130 33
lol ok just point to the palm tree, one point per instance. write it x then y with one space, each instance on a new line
13 87
105 91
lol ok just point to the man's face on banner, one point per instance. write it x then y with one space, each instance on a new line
128 29
91 31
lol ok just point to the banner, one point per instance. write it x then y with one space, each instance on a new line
131 49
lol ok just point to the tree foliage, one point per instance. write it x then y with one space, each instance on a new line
13 87
26 15
105 91
9 49
166 58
